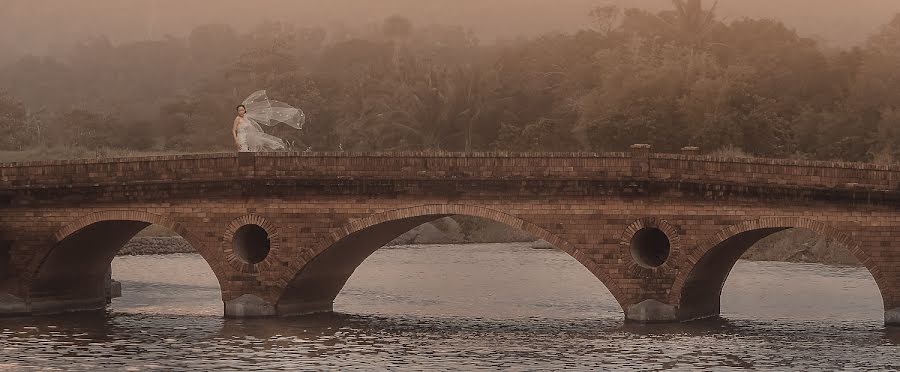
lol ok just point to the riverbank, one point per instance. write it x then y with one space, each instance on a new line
795 245
802 246
153 245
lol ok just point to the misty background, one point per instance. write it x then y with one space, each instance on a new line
809 79
48 26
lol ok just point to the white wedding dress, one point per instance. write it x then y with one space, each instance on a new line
250 137
262 110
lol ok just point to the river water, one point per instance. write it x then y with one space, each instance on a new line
470 307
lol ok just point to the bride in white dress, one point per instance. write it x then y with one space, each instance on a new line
259 109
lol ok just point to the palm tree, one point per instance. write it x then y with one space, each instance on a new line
692 23
398 29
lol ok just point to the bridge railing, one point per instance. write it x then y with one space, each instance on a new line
222 167
637 164
449 165
773 172
95 172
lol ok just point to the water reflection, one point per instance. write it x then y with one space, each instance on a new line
449 307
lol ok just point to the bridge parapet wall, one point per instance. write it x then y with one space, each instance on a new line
637 165
72 173
616 166
388 166
411 165
774 172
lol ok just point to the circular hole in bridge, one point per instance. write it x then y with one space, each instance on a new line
251 243
650 247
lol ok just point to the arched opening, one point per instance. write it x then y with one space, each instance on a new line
802 273
92 265
417 269
160 272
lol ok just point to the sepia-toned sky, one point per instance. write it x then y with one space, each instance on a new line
42 26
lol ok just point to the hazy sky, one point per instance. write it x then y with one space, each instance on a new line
42 26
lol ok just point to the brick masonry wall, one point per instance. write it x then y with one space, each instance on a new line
585 204
393 166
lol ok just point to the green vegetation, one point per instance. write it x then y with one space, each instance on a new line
672 78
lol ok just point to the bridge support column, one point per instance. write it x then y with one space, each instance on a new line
11 305
892 317
249 306
113 287
651 311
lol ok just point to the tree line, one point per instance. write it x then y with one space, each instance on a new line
676 78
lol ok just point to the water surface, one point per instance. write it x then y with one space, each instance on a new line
472 307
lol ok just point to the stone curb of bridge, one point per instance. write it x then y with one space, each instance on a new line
651 311
892 317
13 305
249 306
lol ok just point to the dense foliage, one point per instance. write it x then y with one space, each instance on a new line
671 79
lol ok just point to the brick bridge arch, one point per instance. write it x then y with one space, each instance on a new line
697 291
72 268
320 280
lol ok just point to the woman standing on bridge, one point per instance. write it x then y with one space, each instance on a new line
259 109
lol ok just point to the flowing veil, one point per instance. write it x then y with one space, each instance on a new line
260 110
263 111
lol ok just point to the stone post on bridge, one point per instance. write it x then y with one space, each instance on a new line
690 150
640 161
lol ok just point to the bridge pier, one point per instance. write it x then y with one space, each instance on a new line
892 317
12 305
651 311
89 294
249 306
49 306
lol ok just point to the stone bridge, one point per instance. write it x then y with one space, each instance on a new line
284 231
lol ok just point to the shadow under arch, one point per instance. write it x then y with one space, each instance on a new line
698 292
318 283
71 273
